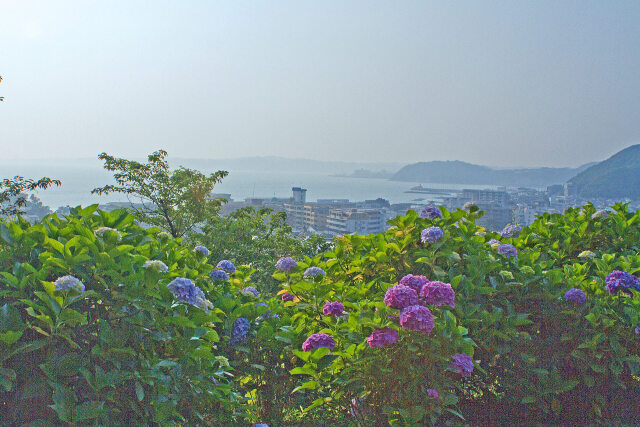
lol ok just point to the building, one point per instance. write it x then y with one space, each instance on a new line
299 194
361 221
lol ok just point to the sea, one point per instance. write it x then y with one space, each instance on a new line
79 177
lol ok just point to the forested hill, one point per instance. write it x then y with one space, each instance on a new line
457 172
615 178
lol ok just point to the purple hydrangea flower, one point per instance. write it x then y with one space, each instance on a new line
494 242
261 425
335 308
250 291
202 249
433 394
508 250
575 296
414 282
67 283
184 290
431 212
431 235
318 340
400 296
286 264
462 363
314 272
287 297
417 318
621 281
600 214
227 266
382 337
219 275
438 293
511 230
239 331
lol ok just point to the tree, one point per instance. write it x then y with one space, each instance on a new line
259 238
178 201
12 193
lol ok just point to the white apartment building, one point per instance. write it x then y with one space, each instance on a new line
361 221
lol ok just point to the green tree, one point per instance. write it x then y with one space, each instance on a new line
12 193
176 200
259 238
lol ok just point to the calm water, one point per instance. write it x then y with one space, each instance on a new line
80 177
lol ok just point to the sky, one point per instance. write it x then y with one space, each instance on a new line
502 83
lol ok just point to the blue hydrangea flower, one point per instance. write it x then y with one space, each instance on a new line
202 249
431 234
219 275
227 266
250 291
431 212
68 283
239 331
576 296
184 290
314 272
286 264
261 304
508 250
511 230
621 281
156 265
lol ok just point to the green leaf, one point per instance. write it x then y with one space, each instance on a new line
139 391
88 410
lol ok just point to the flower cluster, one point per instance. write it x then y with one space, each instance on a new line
239 331
101 230
508 250
511 230
286 264
414 282
201 249
318 340
314 272
219 275
227 266
334 308
621 281
600 214
156 265
587 255
462 363
184 290
575 296
287 297
250 291
438 293
494 243
431 212
68 283
433 394
431 235
467 206
417 318
382 337
400 296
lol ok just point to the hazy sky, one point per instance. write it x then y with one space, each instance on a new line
531 83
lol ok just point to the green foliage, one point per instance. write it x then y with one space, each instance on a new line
12 193
127 352
124 352
176 201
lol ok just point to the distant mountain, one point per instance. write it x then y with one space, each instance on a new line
280 164
615 178
457 172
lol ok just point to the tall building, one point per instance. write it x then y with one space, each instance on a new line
361 221
299 194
